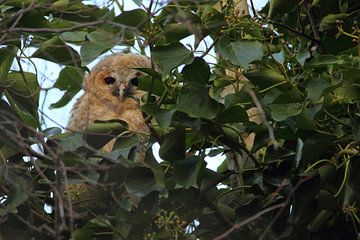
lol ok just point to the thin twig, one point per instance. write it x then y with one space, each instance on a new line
253 8
294 30
61 30
264 119
287 201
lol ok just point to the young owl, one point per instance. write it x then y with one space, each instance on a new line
110 93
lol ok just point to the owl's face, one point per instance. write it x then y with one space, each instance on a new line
116 77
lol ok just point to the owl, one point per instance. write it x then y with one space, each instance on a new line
110 92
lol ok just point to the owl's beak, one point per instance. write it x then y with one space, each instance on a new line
122 91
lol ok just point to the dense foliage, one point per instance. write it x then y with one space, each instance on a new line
298 61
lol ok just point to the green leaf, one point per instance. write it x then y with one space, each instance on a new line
134 18
22 91
101 132
188 170
280 112
316 88
198 72
197 103
30 118
7 55
173 146
69 80
240 52
57 51
314 145
163 117
329 21
76 36
324 60
68 142
302 55
147 82
140 181
265 78
99 42
170 56
278 7
279 57
6 152
233 114
175 31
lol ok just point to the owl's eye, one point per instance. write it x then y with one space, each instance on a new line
134 81
109 80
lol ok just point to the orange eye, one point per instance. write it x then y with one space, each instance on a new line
109 80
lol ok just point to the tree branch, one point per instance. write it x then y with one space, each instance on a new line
294 31
311 17
264 119
248 220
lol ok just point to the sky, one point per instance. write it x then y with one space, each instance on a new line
48 73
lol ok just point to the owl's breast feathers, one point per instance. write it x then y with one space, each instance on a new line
89 108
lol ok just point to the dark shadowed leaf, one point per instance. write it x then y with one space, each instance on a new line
233 114
265 77
314 146
278 7
197 73
187 171
197 104
173 146
7 55
140 181
133 18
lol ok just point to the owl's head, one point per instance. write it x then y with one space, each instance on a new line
116 77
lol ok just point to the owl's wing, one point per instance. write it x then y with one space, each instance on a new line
79 115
